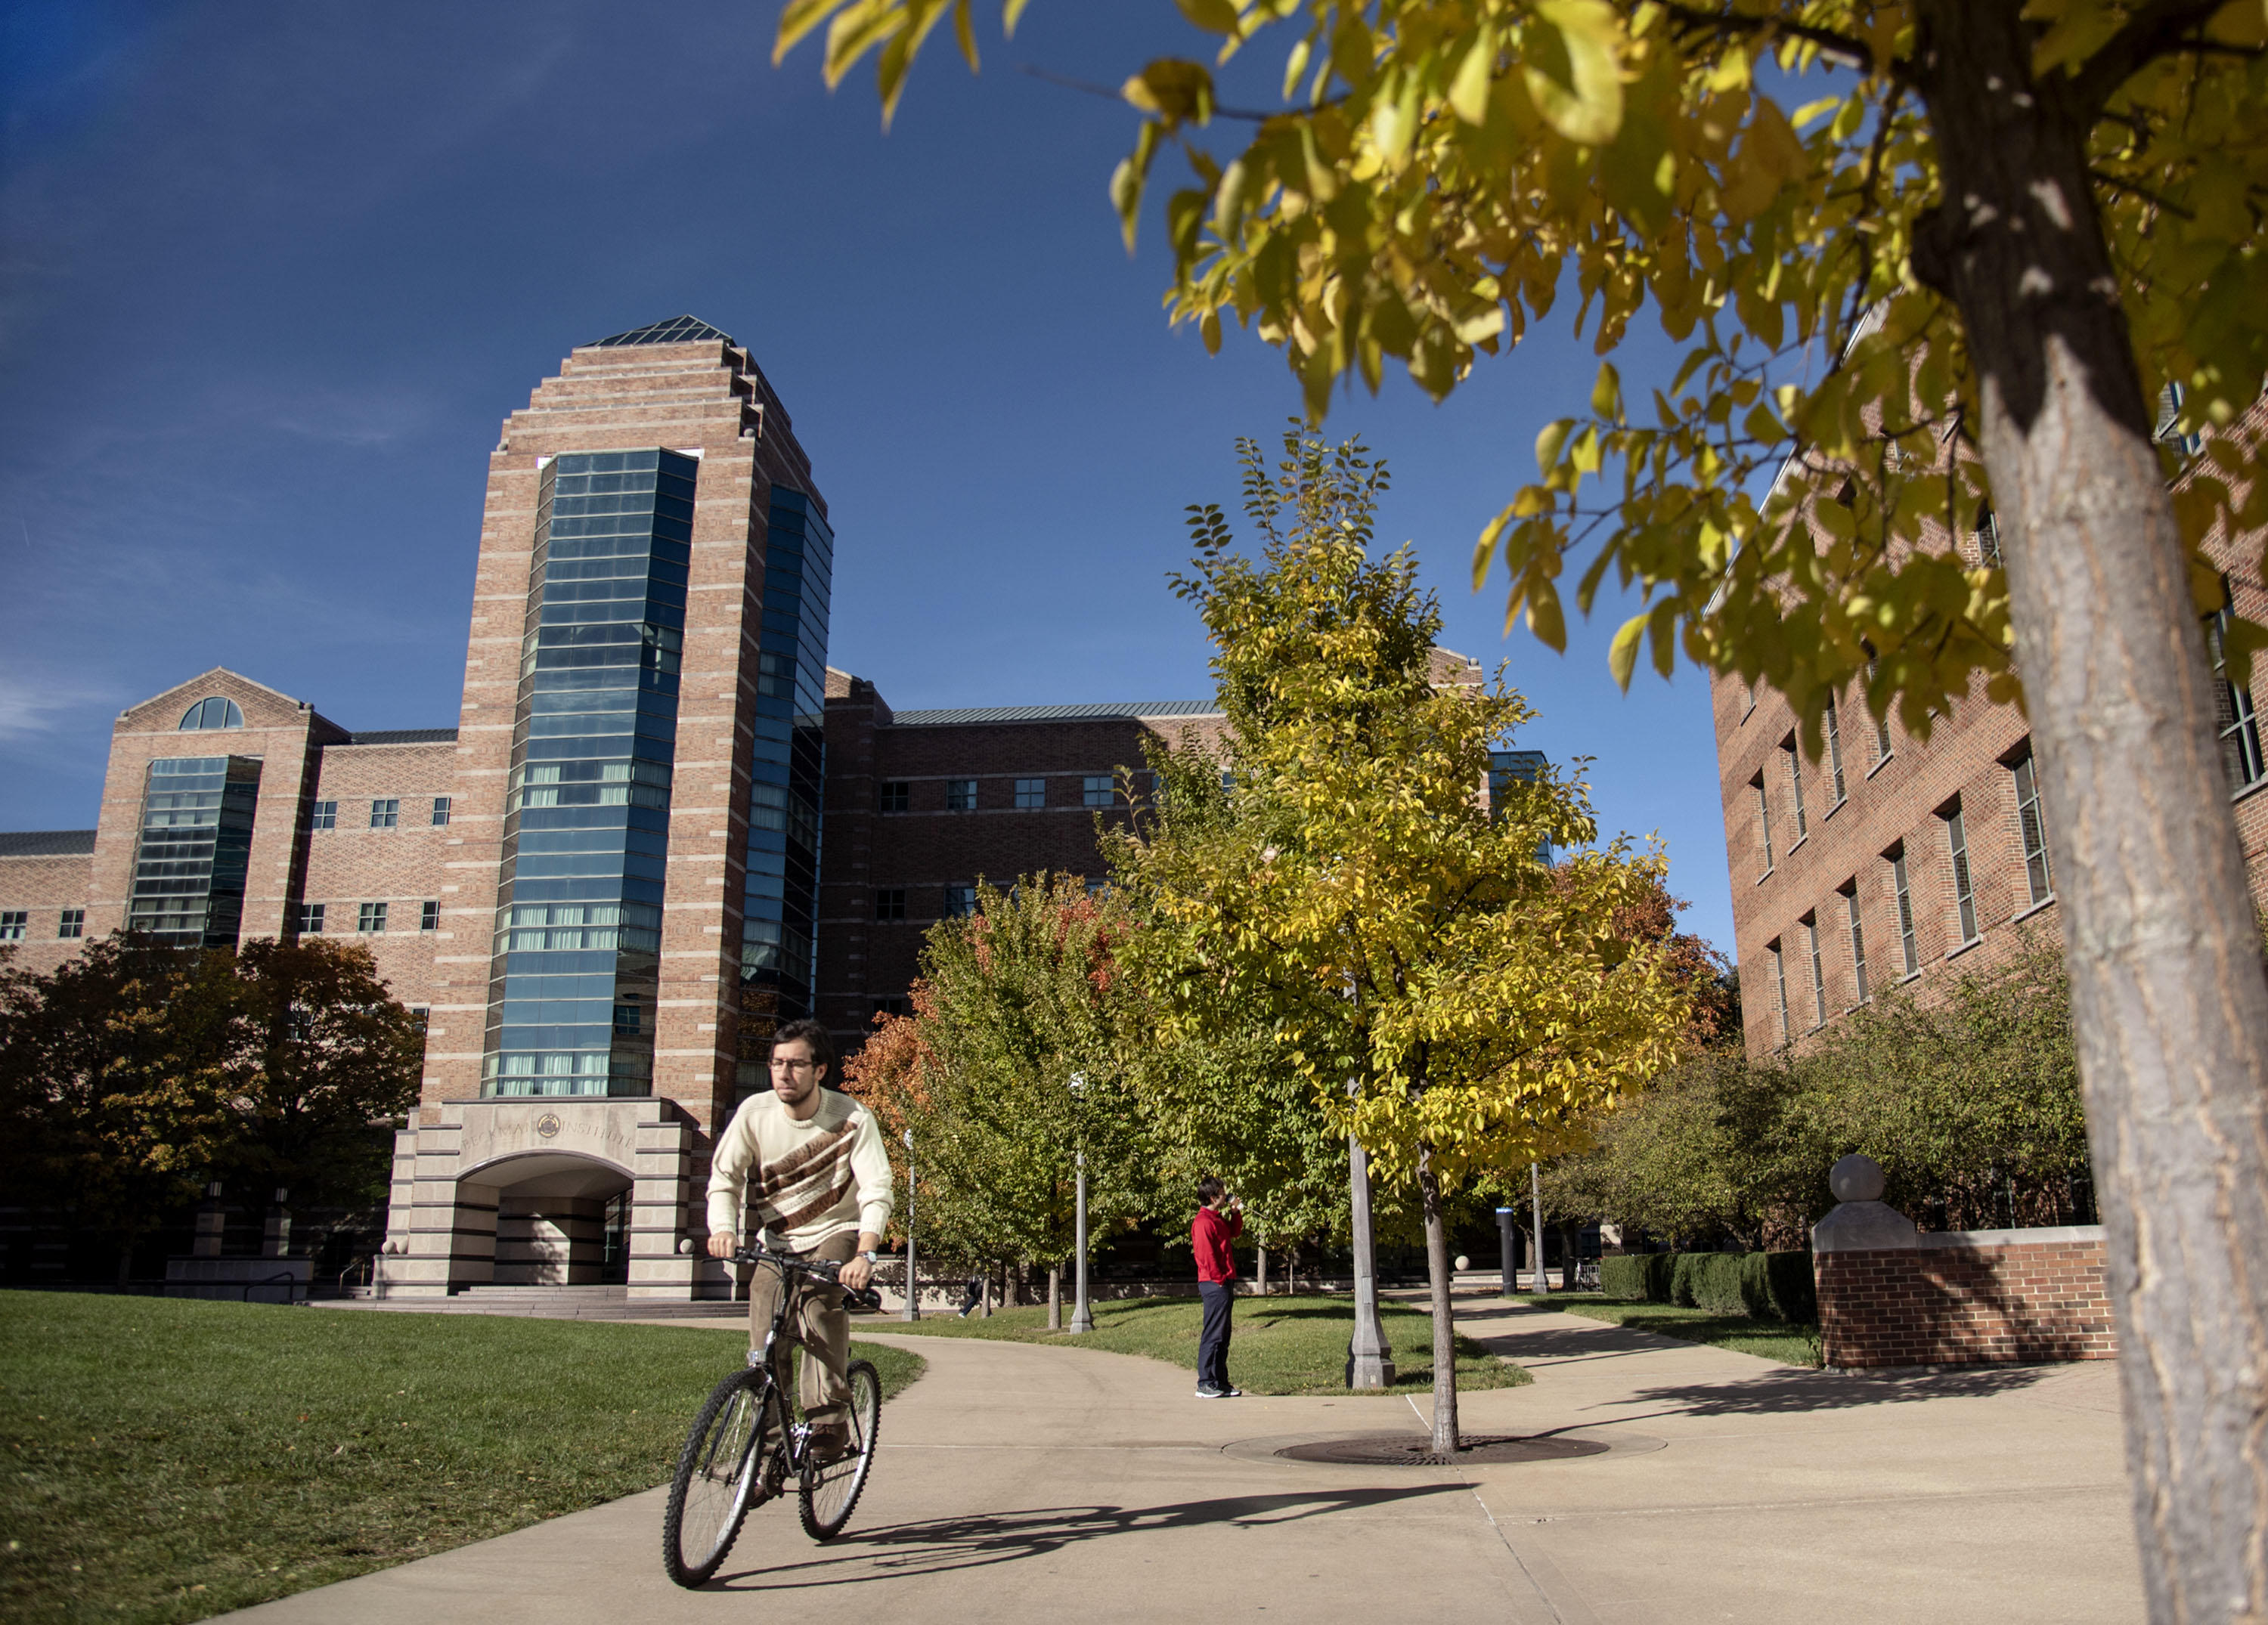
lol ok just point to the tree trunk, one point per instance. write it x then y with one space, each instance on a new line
1055 1297
2169 1003
1260 1272
1444 1322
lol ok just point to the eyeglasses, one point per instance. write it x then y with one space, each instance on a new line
780 1064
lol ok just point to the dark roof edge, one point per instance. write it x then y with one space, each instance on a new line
400 736
47 843
1131 709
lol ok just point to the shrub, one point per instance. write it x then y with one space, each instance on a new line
1624 1276
1764 1286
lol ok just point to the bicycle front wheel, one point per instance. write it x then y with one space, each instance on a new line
724 1468
831 1492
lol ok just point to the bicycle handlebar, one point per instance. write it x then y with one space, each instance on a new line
864 1297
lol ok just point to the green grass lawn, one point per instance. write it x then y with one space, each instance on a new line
1278 1345
1773 1339
169 1459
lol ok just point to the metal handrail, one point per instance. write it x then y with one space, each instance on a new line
288 1276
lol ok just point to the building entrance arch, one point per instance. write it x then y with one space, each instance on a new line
562 1218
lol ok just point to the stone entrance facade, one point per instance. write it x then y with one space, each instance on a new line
520 1193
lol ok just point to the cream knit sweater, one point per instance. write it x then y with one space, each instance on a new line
807 1181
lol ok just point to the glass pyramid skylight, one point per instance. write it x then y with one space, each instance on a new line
676 330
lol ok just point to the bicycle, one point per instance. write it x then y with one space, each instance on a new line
746 1442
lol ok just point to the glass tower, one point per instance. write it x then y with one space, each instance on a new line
778 951
586 828
195 847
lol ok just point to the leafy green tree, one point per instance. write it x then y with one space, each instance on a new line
1014 1003
1956 272
1968 1096
118 1071
1451 996
328 1064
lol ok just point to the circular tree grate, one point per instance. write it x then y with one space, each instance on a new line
1411 1450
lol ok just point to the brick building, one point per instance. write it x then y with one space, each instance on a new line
1888 859
922 805
603 887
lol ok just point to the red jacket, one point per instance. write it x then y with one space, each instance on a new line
1209 1239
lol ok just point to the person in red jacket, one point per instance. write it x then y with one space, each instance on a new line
1219 1221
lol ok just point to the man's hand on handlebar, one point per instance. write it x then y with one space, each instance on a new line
721 1244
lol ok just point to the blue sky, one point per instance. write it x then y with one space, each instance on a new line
272 274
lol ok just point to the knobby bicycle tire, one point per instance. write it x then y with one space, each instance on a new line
722 1472
828 1495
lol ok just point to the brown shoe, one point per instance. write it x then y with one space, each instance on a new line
829 1446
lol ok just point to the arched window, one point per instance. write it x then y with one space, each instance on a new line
215 712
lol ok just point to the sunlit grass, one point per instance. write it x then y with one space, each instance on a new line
1772 1340
1278 1345
171 1459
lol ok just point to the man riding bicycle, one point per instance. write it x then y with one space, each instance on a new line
821 1181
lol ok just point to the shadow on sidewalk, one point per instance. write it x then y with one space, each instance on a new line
1798 1390
943 1544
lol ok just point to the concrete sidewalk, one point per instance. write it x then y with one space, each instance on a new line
1020 1483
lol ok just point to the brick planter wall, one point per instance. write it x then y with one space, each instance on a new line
1972 1298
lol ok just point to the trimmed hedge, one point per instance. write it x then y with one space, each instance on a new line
1764 1286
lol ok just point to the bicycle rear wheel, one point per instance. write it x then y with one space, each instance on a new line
830 1493
728 1465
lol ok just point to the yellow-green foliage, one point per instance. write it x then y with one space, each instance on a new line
1438 172
1351 885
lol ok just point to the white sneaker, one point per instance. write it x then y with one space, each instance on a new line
1206 1391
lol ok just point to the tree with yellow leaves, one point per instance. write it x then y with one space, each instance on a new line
1951 251
1452 996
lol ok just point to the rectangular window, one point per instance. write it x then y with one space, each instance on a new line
1763 818
1097 886
961 795
626 1019
1795 786
419 1014
73 924
2239 725
429 917
1964 894
386 814
1101 790
1834 755
1818 972
959 901
1031 794
890 903
898 1006
440 810
309 921
2034 830
1780 987
372 917
326 816
12 921
1988 539
1858 943
897 795
1881 724
1909 948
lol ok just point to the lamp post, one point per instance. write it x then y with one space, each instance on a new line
913 1286
1082 1317
1370 1359
1535 1200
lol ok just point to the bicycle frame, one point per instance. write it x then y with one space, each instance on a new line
797 1434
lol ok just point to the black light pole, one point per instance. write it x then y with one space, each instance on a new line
1506 1227
913 1287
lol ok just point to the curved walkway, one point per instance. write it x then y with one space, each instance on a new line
1025 1483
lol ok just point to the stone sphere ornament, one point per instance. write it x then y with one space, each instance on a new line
1856 1178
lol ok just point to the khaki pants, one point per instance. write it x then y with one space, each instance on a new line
814 1318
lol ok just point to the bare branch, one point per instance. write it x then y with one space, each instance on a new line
1843 47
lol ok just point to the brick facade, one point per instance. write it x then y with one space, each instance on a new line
1974 1298
869 953
1800 849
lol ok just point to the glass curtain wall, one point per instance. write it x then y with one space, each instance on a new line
779 949
195 847
587 831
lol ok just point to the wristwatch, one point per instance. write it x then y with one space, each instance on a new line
871 1256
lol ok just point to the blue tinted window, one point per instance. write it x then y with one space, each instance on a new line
212 713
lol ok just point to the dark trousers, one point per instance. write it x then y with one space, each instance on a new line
1212 1342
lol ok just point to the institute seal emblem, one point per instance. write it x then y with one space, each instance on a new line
547 1125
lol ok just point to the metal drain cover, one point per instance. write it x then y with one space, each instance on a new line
1406 1450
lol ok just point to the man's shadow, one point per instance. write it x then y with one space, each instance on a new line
943 1544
